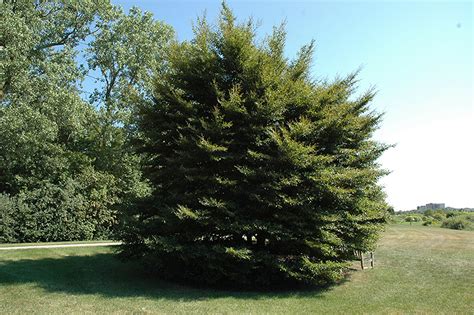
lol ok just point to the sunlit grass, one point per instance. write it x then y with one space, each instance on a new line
418 269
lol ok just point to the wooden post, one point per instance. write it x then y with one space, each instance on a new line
362 260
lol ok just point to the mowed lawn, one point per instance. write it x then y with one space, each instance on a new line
418 270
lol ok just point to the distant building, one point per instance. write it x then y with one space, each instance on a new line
431 206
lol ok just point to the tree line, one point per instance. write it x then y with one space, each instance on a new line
66 164
217 159
461 219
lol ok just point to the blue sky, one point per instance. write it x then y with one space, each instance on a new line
419 56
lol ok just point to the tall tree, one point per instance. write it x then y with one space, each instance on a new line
45 140
261 175
36 44
40 105
122 56
65 161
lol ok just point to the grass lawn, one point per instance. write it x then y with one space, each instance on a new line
418 270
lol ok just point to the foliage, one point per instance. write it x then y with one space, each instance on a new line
431 217
413 218
455 213
261 175
67 160
124 52
7 210
436 215
459 222
454 219
76 209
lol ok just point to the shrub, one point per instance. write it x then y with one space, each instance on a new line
433 217
7 211
79 209
456 223
413 218
438 216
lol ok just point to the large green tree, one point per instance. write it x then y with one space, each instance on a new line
56 192
64 157
262 176
123 54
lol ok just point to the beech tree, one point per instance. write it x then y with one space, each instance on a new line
262 176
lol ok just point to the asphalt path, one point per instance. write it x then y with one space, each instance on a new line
61 245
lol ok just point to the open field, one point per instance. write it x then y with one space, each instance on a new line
418 270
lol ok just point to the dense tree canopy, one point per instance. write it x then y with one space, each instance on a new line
261 174
64 156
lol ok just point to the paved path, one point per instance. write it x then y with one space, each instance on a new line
61 245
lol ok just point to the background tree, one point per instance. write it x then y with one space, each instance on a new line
124 52
261 175
64 161
56 192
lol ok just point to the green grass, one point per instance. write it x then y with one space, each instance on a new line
418 270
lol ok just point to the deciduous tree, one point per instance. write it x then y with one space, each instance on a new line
64 157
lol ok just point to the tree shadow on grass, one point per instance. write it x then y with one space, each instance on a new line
104 274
